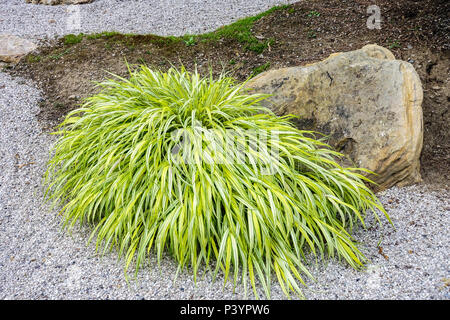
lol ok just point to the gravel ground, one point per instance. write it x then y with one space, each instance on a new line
162 17
38 261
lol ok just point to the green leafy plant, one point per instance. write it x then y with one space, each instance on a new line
312 34
108 45
393 45
32 58
189 41
116 166
58 105
313 13
261 68
105 34
241 31
59 55
73 39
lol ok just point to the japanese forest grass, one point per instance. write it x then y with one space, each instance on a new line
120 165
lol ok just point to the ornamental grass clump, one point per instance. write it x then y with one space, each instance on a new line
196 167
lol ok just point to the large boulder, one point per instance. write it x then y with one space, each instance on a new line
365 101
13 48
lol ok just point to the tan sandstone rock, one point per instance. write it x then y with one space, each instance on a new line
366 101
13 48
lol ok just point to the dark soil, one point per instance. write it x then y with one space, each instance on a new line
306 32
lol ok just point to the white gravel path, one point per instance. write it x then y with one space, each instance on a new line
38 261
162 17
